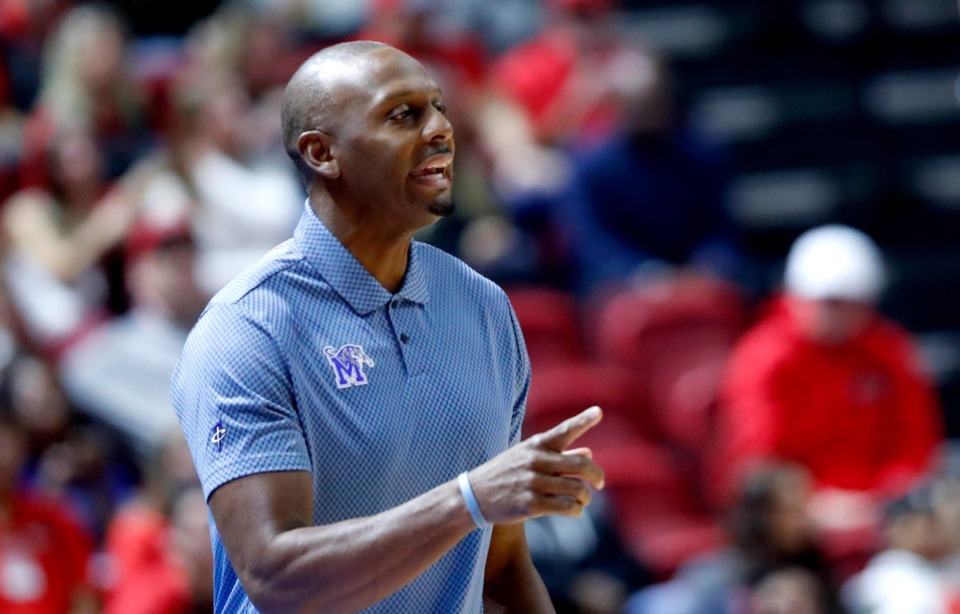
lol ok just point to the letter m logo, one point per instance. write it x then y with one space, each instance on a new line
347 364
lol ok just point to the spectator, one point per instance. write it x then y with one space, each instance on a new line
25 26
549 93
121 371
905 576
502 25
44 553
773 551
252 50
71 463
239 207
632 207
11 132
86 472
788 591
549 97
827 382
87 87
561 79
158 544
318 20
56 240
582 562
415 27
38 405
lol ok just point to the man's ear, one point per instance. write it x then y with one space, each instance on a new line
314 147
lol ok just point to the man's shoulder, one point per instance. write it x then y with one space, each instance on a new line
444 269
771 341
264 295
261 276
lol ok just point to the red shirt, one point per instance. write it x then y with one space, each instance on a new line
858 417
149 578
538 75
44 556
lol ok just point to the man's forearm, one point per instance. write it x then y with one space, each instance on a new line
286 564
353 564
525 592
512 583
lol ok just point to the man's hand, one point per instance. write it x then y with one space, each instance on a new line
540 476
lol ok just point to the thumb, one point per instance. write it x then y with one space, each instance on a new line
565 433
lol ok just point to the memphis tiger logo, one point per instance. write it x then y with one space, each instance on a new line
347 364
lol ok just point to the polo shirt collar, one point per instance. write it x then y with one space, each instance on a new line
347 276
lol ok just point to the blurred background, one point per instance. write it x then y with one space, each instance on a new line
734 224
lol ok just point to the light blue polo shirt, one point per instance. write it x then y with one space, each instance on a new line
305 362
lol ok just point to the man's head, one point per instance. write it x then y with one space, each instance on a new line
912 523
161 270
644 90
365 125
770 516
833 280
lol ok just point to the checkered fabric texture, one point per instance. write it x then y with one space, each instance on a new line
305 362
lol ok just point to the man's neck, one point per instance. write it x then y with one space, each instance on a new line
384 252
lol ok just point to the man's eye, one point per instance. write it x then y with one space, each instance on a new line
402 113
439 106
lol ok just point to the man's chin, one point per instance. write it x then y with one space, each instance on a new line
441 208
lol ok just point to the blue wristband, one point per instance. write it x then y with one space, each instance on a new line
471 500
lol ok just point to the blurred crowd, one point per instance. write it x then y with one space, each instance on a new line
770 448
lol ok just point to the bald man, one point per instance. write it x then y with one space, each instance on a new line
353 402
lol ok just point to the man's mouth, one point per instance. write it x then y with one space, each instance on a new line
436 171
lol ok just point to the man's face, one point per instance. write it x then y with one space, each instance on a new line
831 321
394 145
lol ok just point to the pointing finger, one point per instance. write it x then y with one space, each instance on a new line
565 433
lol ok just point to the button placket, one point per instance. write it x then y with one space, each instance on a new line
396 315
409 331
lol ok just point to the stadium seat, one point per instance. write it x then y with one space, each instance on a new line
550 323
675 335
655 512
654 492
559 391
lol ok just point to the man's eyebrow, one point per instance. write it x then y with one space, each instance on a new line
405 93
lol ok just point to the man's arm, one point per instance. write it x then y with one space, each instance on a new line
287 565
511 581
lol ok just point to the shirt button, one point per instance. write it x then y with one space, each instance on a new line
404 337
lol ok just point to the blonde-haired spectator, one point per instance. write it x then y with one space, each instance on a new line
54 240
87 85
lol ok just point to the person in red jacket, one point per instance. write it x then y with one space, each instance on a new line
823 380
44 551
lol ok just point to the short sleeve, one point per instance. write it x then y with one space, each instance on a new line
234 399
521 377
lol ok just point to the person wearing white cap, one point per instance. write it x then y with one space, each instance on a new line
835 274
824 380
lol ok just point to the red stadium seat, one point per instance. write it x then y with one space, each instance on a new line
654 366
656 512
676 335
654 497
559 391
550 323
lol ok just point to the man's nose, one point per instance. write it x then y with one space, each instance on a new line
438 127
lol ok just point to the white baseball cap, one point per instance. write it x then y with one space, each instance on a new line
835 262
